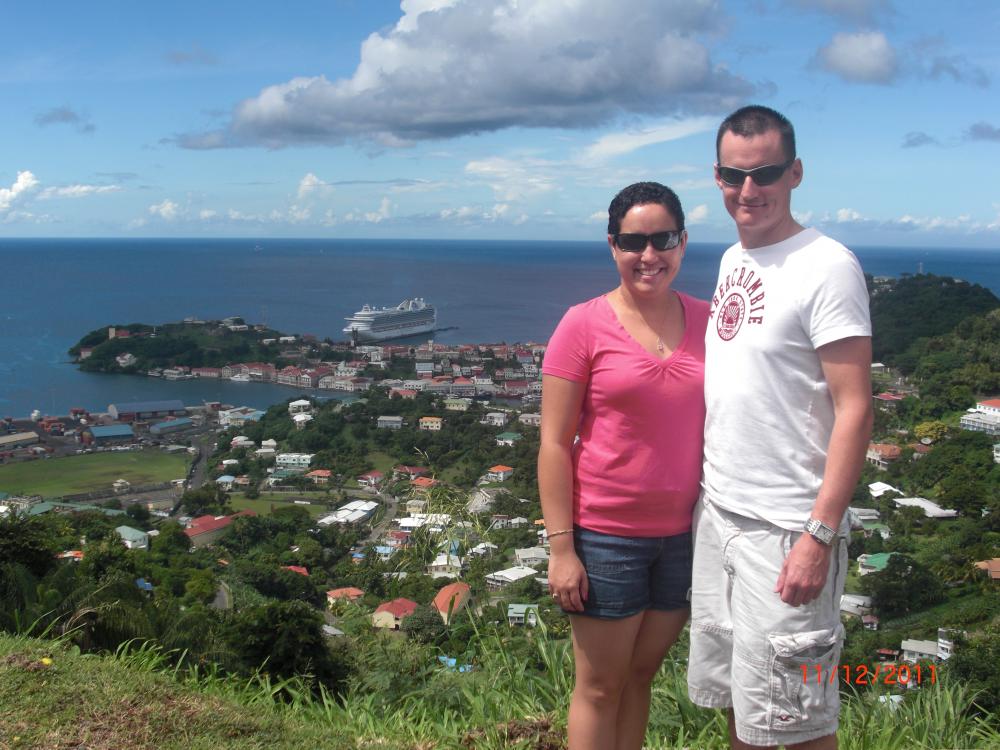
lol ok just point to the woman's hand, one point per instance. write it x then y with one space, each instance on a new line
567 580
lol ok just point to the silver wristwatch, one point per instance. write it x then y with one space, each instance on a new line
820 532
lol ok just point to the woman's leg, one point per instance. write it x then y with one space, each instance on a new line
603 650
657 633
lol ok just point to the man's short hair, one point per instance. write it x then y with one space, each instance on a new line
757 120
641 194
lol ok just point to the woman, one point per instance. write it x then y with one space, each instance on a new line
624 371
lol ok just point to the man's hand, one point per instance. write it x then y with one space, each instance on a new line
803 574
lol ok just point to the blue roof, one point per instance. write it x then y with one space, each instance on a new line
226 478
143 406
112 430
143 584
171 424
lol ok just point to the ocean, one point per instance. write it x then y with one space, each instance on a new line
55 290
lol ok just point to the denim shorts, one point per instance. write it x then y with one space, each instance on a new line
627 575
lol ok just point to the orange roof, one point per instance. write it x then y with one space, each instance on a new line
501 467
297 569
347 592
453 597
423 482
320 473
992 567
399 608
886 450
205 524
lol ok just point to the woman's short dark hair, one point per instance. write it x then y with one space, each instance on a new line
640 194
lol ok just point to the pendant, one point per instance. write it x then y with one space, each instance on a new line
659 345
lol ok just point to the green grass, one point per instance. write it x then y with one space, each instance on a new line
104 704
262 505
136 700
55 477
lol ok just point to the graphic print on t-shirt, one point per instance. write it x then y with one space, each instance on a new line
739 299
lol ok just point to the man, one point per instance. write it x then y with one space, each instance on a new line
788 394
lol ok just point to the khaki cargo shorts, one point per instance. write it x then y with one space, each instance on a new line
748 648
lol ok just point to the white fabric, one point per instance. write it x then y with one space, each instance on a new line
769 409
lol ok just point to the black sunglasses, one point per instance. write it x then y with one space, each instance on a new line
636 243
762 176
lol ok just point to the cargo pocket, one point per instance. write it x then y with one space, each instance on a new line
797 702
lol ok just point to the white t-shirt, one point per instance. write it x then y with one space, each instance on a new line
770 413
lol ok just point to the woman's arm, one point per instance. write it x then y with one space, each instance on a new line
561 403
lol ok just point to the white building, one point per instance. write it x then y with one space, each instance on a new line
914 650
532 420
445 566
294 460
531 556
389 423
495 419
503 578
930 509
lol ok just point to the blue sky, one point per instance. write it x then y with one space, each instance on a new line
488 118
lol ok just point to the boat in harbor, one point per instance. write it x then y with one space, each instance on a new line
409 318
240 377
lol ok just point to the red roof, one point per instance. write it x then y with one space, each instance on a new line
347 592
457 592
501 467
320 473
423 482
994 402
410 469
886 450
398 608
204 524
297 569
889 397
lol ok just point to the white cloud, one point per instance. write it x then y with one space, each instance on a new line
77 191
207 214
478 214
697 215
616 144
376 217
167 210
311 184
600 217
458 67
862 57
23 186
802 217
846 215
514 180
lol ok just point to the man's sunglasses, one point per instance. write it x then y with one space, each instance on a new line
762 176
636 243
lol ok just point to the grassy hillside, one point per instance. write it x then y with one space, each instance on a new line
52 696
56 477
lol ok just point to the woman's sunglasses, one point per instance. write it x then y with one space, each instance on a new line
762 176
636 243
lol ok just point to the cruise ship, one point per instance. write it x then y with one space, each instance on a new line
409 318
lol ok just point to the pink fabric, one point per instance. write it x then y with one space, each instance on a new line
637 464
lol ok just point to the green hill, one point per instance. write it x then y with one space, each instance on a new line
52 696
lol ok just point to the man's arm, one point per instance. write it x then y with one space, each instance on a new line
847 369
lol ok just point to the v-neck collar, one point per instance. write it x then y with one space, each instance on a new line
661 361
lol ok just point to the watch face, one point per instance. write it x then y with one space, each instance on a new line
821 532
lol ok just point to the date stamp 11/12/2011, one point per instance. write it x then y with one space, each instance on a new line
862 674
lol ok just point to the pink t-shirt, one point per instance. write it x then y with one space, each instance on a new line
637 464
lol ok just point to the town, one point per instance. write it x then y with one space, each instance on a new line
406 508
